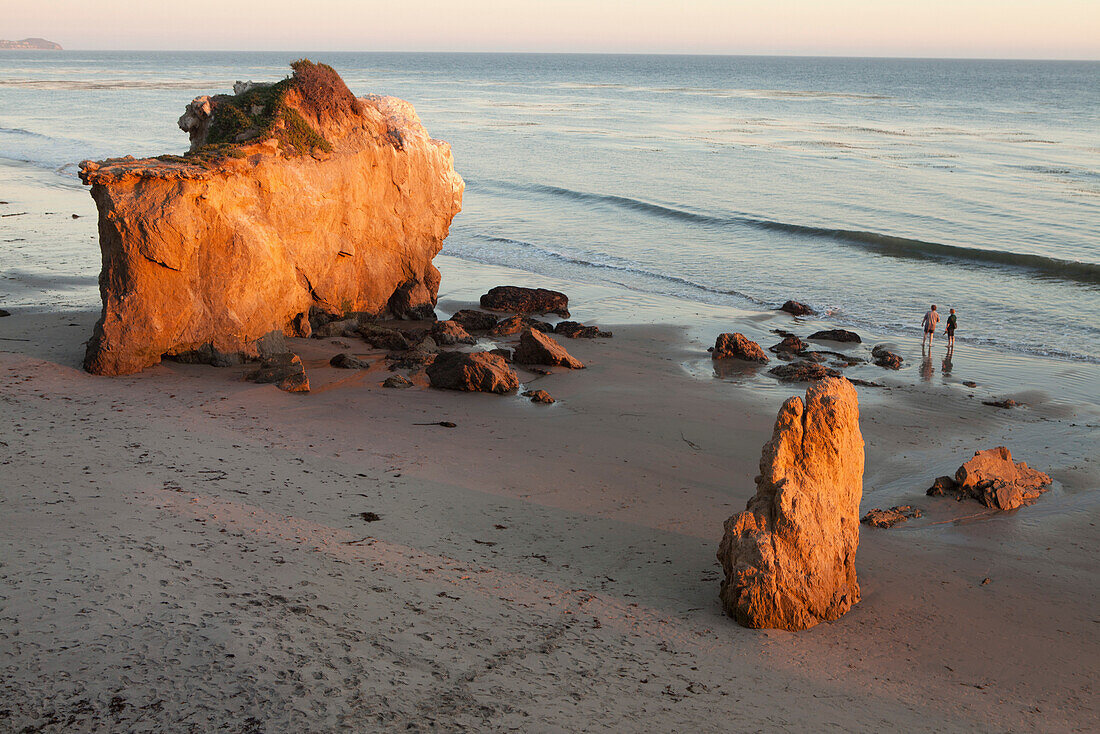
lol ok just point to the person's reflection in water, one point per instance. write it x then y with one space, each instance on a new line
926 369
946 368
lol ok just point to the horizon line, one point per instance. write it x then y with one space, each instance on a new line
580 53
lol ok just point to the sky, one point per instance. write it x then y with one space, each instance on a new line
1058 29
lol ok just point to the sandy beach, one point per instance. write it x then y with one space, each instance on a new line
185 551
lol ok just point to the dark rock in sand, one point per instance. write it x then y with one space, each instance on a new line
995 480
514 299
285 371
942 487
836 335
397 381
414 300
505 354
517 324
797 309
789 348
575 330
475 371
301 326
538 348
970 383
846 360
877 518
1006 403
737 346
380 337
409 360
471 320
340 327
447 333
802 372
885 358
346 361
539 396
426 345
4 313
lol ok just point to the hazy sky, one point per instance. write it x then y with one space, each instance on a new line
953 28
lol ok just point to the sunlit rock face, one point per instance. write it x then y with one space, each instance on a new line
294 196
789 558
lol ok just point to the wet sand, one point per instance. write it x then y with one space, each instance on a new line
183 550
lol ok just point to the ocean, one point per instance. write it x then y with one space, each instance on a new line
867 188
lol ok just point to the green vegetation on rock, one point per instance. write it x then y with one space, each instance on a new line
263 112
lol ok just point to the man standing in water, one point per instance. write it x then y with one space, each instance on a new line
952 322
929 323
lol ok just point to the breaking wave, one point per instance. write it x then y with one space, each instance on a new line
882 244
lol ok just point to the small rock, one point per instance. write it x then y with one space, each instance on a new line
788 348
505 354
889 518
76 216
575 330
737 346
343 327
970 383
885 358
397 381
539 396
803 372
942 487
4 313
370 516
514 299
1006 403
301 326
475 320
476 371
797 309
986 581
346 361
447 333
285 371
380 337
517 324
427 345
836 335
538 348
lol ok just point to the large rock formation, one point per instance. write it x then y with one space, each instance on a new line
295 196
789 558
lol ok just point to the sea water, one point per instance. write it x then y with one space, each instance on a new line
867 188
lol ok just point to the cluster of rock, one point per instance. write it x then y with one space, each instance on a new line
789 558
995 480
804 364
446 352
208 252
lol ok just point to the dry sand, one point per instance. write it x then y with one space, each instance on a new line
184 551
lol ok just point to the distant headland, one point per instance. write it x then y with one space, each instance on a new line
35 44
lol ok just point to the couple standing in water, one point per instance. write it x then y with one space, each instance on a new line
929 323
